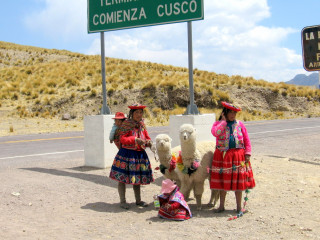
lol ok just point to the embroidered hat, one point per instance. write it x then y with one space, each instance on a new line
167 186
137 106
230 106
119 115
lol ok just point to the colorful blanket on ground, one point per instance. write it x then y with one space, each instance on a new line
173 206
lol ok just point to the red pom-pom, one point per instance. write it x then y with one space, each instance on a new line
248 184
157 168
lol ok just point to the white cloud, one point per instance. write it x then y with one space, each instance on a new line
229 40
61 19
137 48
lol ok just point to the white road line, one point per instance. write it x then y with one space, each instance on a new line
283 130
53 153
42 154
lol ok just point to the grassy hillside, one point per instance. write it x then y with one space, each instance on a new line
46 83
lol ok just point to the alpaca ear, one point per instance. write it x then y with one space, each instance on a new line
170 139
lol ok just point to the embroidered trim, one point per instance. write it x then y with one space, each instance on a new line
187 170
173 163
234 168
162 169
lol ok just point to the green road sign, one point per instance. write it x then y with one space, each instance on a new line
108 15
311 48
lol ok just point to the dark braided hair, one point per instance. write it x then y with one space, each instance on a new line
131 113
225 111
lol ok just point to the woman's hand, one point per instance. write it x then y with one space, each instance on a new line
149 143
223 117
140 141
247 158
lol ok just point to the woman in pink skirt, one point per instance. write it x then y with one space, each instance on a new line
231 168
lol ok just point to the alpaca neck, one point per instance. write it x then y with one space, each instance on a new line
164 157
188 152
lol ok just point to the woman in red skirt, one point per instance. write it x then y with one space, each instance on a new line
231 168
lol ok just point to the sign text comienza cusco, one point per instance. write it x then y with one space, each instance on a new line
107 15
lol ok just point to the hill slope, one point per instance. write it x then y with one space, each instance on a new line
38 83
305 80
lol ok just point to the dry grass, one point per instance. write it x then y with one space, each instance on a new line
37 82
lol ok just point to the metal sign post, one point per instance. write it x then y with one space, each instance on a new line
105 109
107 15
192 108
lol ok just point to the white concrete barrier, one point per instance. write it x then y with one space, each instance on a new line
98 151
202 123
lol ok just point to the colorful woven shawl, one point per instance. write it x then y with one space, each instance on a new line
136 128
130 125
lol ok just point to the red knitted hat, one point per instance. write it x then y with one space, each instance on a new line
137 106
230 106
119 115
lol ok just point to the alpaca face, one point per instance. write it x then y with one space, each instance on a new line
187 133
163 142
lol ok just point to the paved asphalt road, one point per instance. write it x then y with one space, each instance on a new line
297 139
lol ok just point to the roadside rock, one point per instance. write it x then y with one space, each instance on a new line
66 116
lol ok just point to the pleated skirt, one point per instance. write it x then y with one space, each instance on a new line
229 171
132 167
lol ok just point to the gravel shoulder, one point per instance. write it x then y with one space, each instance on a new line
62 199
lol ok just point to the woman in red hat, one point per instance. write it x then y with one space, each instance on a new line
231 168
115 133
131 164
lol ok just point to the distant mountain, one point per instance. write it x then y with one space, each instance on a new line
302 79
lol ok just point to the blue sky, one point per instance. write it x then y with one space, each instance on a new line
259 38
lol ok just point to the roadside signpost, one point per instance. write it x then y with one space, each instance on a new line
311 48
109 15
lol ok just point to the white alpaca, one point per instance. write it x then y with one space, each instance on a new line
163 148
192 154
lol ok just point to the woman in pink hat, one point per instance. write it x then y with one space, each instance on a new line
172 203
114 133
231 168
131 164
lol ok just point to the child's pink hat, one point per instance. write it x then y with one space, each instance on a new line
119 115
167 186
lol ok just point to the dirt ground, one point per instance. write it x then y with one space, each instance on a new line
55 199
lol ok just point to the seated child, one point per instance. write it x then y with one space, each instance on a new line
172 203
114 133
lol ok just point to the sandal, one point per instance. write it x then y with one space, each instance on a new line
219 210
124 205
142 204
